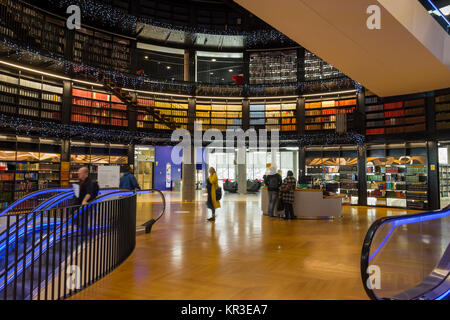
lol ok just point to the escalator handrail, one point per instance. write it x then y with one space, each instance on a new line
4 274
30 195
119 192
19 223
163 210
367 244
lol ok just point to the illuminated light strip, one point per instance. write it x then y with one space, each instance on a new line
442 296
440 12
31 196
165 94
46 243
63 197
22 230
382 243
14 226
329 93
9 277
49 74
408 220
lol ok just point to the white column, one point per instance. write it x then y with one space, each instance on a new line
188 180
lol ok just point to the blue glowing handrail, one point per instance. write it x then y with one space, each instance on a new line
50 239
23 229
408 220
32 195
440 12
442 296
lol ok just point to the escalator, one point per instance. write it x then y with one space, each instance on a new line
35 244
408 257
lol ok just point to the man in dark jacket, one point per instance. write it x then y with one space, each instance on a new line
87 188
128 181
87 193
273 183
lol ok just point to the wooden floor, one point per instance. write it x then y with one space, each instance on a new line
243 255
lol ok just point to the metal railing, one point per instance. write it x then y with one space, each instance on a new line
408 257
55 252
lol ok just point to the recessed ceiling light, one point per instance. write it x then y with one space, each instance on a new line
168 67
146 57
211 73
213 60
231 70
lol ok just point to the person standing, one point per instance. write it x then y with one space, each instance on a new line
87 192
287 194
87 189
273 183
212 183
128 180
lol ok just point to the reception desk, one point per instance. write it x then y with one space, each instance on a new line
309 204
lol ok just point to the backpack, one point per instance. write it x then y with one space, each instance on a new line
273 182
95 189
286 188
218 193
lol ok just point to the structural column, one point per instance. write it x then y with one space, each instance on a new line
362 176
66 102
188 178
189 165
433 176
241 174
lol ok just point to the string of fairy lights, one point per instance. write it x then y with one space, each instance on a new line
111 17
31 55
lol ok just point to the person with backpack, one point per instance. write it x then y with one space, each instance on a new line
214 193
287 194
128 180
88 190
273 183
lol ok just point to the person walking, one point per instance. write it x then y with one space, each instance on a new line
212 184
128 180
273 183
287 194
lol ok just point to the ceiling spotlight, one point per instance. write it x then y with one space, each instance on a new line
211 73
146 57
231 70
169 67
213 60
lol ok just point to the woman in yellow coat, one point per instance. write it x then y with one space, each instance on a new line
211 186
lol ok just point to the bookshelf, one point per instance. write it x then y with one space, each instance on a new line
444 180
96 107
102 50
273 115
397 178
94 155
317 69
219 114
336 169
394 117
273 67
30 97
25 24
176 108
442 107
24 171
321 115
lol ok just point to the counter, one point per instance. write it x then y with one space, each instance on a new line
309 204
